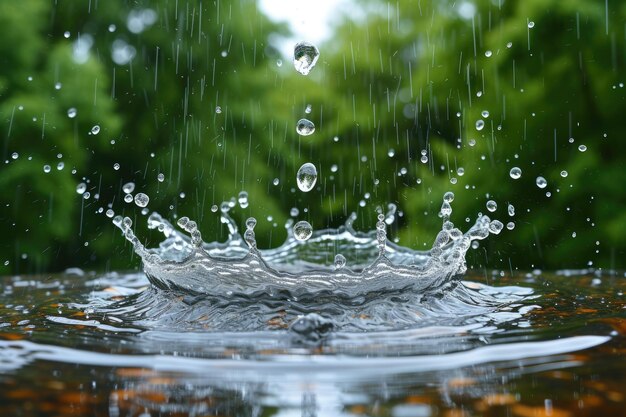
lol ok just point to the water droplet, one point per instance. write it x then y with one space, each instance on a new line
485 114
81 188
564 173
46 168
460 171
128 198
515 173
340 261
488 54
334 168
302 230
86 195
129 187
161 177
306 177
276 181
15 155
496 227
214 208
336 139
480 124
66 34
424 159
294 212
305 57
110 213
531 24
57 86
511 210
541 182
116 166
582 148
218 109
243 201
60 166
509 44
95 130
305 127
308 109
492 206
448 197
72 112
391 152
510 225
142 199
279 63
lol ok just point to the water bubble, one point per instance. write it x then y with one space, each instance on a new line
582 148
308 109
515 173
564 173
72 112
128 198
485 114
218 109
129 187
480 124
305 57
511 210
46 168
81 188
305 127
531 24
243 200
541 182
340 261
492 206
95 130
141 199
302 230
306 177
161 177
510 225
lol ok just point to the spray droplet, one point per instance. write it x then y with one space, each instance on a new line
294 212
306 177
564 173
218 109
95 130
496 227
531 24
308 109
81 188
116 166
480 124
243 201
15 155
110 213
582 148
72 112
129 187
515 173
541 182
142 199
46 168
340 261
279 63
492 206
128 198
249 235
305 127
510 225
302 230
214 208
305 57
511 210
488 54
161 177
485 114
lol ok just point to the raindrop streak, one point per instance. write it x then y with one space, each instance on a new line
305 57
305 127
541 182
515 173
302 230
142 199
306 177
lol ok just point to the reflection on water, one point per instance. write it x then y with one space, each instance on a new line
113 345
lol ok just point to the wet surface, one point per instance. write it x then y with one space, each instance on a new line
92 345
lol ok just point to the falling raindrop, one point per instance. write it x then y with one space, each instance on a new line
46 168
488 54
95 130
531 24
218 109
161 177
305 127
308 109
564 173
305 57
485 113
142 199
306 177
541 182
243 199
128 198
515 173
116 166
582 148
340 261
81 188
72 112
110 213
492 206
129 187
302 230
480 124
510 225
511 210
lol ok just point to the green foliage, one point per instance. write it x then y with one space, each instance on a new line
389 83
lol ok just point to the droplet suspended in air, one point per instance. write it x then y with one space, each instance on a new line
541 182
480 123
305 57
306 177
488 54
564 173
515 173
142 199
582 148
531 24
302 230
72 112
308 109
46 168
95 130
161 177
492 206
218 109
485 113
243 200
511 210
305 127
81 188
129 187
128 198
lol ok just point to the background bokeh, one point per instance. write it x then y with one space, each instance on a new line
199 91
